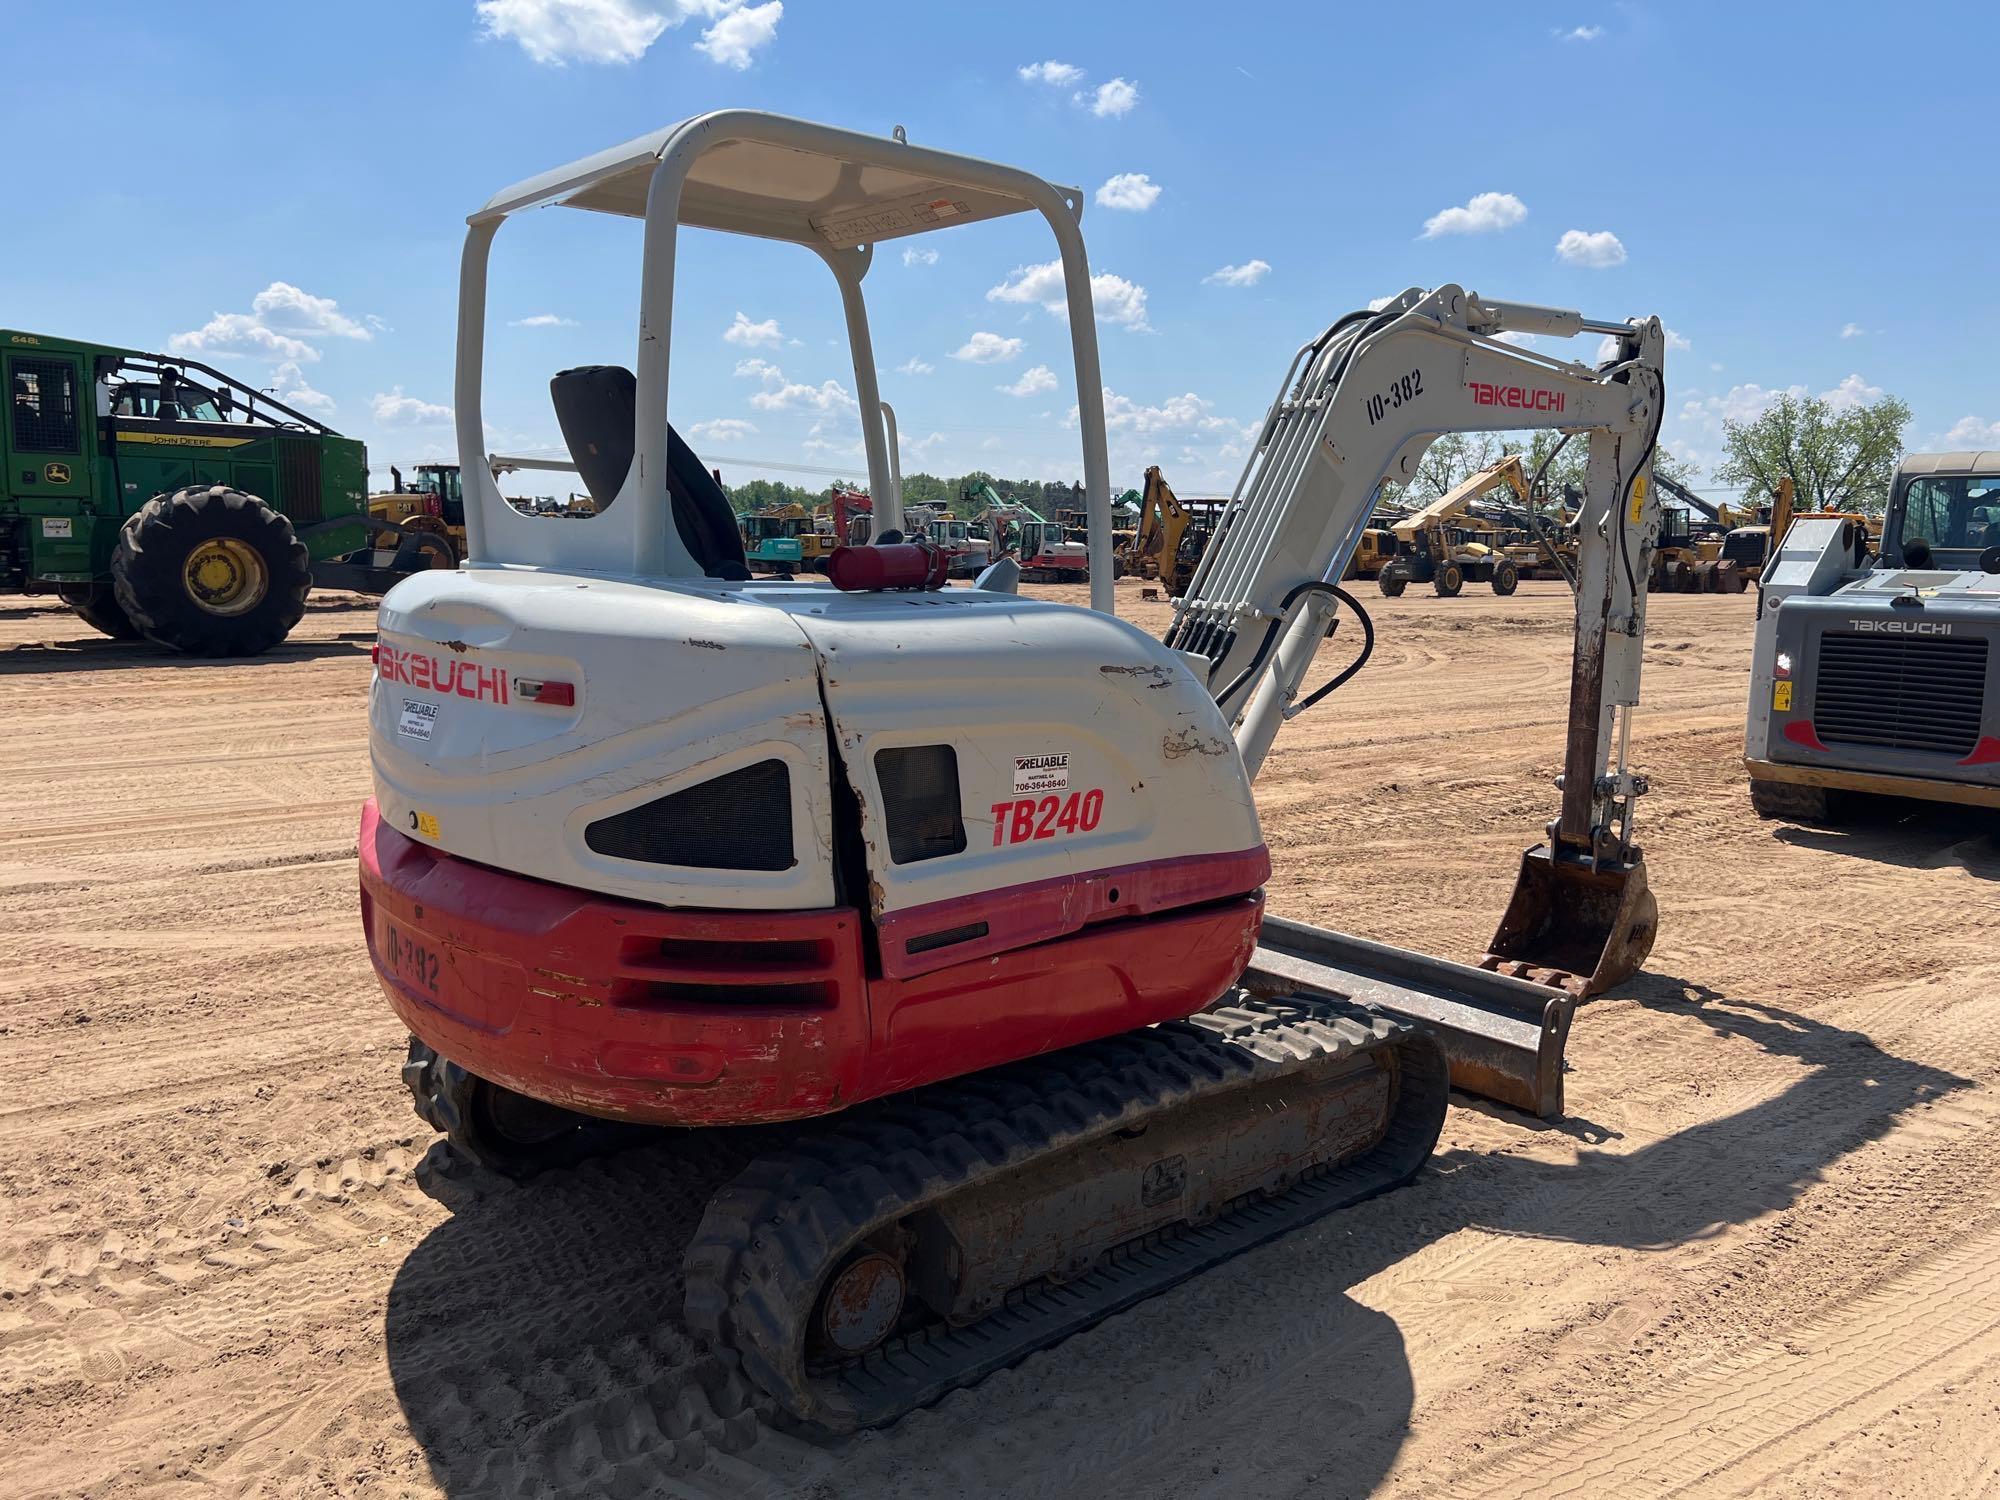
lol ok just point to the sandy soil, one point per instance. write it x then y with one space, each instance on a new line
1763 1256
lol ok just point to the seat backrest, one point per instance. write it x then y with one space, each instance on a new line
594 407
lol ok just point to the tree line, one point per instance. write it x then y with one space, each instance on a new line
1042 495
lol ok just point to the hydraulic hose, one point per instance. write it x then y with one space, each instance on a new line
1269 644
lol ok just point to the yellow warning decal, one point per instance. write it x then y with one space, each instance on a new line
1638 498
424 823
1781 697
182 440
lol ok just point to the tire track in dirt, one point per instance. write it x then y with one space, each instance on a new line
1733 1428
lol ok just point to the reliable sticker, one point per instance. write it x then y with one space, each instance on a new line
418 719
1035 774
57 526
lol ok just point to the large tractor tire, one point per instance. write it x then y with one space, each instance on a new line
96 604
1392 587
1506 578
1449 580
212 571
424 525
490 1126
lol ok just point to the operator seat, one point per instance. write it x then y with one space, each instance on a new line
595 406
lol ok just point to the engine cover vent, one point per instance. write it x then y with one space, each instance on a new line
920 802
1900 692
738 821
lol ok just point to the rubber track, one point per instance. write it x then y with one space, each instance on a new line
769 1239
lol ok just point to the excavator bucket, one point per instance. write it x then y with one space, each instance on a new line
1575 924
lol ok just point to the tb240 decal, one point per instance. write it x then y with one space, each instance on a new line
1029 818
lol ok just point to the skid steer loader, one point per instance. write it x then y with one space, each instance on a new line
954 896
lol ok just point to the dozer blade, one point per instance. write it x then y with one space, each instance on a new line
1503 1036
1575 924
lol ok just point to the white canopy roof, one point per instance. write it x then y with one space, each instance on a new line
831 187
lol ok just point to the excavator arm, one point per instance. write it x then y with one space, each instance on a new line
1360 405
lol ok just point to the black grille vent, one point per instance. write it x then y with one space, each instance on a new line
1901 692
44 405
920 797
740 821
298 478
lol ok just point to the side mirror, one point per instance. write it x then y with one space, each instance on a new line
225 400
1989 560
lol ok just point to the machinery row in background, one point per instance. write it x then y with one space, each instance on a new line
158 496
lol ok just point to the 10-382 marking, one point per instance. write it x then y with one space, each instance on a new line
1402 390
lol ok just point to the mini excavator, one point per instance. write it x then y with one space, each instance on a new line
944 906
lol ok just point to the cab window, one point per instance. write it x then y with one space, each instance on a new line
1954 511
44 401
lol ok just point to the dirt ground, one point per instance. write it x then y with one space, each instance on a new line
1762 1256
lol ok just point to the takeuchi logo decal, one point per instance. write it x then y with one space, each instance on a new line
1518 397
463 678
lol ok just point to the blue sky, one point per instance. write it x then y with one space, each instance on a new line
1804 194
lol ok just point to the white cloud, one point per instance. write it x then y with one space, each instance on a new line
1134 192
1117 300
1970 432
290 385
543 320
916 255
558 32
1482 213
780 394
1034 380
394 409
1851 330
736 37
1187 413
1113 99
562 31
723 429
1850 393
915 366
277 316
1376 304
289 310
764 335
988 349
1060 74
1518 339
1579 33
240 333
1597 249
1676 341
1248 274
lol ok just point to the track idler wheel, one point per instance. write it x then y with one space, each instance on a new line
493 1127
1574 923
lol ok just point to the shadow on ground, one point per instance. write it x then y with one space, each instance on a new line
1912 835
536 1346
98 655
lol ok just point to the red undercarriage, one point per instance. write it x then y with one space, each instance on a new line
701 1017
